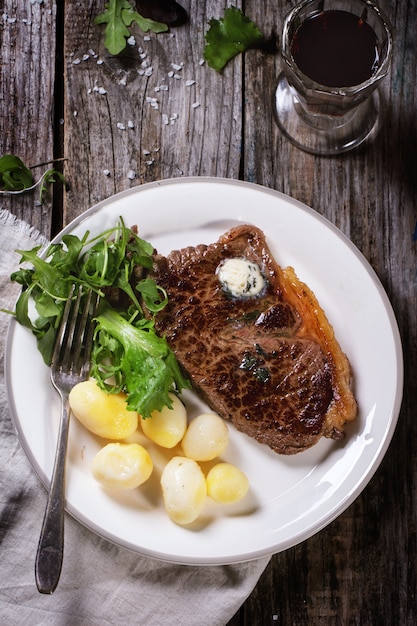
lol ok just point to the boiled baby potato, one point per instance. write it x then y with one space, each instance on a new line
226 483
184 489
166 427
123 465
103 414
206 438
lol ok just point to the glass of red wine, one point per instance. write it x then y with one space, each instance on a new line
335 53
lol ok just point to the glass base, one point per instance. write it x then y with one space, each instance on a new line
341 133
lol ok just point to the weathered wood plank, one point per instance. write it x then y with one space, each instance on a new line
27 73
156 112
357 570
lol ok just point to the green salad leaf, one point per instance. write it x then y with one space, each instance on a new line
16 178
48 178
136 361
128 355
14 175
118 16
228 37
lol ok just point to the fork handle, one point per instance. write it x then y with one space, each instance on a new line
50 552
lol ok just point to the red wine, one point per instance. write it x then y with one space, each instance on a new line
336 49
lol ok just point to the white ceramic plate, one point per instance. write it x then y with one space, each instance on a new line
290 498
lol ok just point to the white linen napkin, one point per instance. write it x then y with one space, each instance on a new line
101 584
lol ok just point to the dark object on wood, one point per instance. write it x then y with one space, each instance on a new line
166 11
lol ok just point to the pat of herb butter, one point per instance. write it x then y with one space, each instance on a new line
240 278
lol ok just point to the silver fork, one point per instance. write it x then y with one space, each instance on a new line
70 365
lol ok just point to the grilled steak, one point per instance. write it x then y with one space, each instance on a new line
262 354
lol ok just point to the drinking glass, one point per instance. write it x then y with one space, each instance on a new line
322 118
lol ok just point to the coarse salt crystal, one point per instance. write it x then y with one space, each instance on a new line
146 38
149 71
177 76
165 119
170 74
101 91
130 124
76 61
188 83
131 174
150 162
146 152
131 41
121 126
86 57
106 172
100 62
176 67
195 105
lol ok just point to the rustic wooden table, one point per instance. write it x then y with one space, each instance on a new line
115 125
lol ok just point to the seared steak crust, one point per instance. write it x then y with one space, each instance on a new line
269 363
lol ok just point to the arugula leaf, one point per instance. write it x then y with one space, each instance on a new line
48 178
139 362
144 23
14 175
228 37
154 296
118 16
16 178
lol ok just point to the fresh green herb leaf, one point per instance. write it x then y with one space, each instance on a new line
228 37
116 31
16 178
14 175
144 23
139 362
48 178
154 296
118 16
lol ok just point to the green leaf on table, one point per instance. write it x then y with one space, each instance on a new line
48 178
14 175
144 23
16 178
228 37
116 31
118 16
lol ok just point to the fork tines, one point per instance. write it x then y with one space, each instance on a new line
74 339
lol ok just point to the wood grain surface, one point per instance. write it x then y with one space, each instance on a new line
158 112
